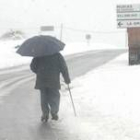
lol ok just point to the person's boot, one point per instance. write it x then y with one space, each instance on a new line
44 118
55 117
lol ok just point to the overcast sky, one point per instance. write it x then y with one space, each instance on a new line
84 14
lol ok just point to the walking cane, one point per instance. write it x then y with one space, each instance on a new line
72 100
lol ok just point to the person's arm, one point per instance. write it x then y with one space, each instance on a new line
64 69
33 65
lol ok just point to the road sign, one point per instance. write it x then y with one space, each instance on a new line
47 28
128 15
128 23
88 36
128 8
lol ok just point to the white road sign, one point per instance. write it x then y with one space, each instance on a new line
128 15
128 8
128 23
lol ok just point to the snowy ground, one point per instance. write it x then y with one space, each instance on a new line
107 99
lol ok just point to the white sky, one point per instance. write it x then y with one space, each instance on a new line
29 14
106 99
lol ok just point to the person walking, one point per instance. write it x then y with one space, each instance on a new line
48 69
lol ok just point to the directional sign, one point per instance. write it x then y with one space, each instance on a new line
128 23
128 8
128 15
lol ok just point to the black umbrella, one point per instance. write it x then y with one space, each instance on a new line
40 46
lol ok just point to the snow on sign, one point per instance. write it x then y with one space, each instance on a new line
128 15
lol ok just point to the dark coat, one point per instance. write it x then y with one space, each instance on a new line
48 69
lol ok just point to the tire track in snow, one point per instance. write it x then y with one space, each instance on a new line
8 85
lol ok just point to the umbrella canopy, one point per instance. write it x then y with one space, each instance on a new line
40 46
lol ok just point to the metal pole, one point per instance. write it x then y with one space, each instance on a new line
126 38
127 44
72 101
61 31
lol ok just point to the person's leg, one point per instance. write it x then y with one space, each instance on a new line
54 102
44 104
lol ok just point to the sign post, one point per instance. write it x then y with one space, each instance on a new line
88 38
128 16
